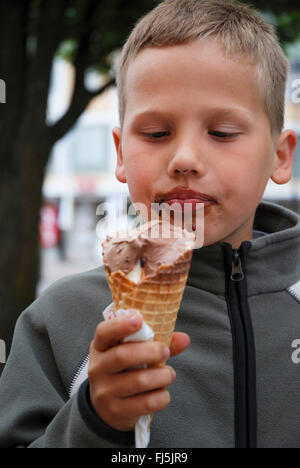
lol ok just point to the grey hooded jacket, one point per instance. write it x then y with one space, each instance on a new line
238 383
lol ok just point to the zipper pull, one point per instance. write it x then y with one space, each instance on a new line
237 273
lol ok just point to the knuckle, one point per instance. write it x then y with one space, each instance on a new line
113 408
102 395
99 330
94 355
157 350
121 355
141 381
164 399
169 375
92 372
162 355
92 346
150 405
159 401
95 368
167 397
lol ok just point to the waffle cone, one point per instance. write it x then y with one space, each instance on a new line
157 298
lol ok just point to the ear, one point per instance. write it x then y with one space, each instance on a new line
120 169
284 154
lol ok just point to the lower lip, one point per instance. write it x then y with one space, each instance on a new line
189 204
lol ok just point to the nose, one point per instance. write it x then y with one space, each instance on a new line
187 161
185 171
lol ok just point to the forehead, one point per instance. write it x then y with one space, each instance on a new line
197 72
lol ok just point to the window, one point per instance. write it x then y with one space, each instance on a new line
90 149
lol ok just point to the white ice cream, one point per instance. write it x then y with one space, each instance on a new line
135 274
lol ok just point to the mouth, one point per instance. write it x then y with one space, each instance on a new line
185 198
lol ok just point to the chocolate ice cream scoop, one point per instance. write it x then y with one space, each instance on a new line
148 247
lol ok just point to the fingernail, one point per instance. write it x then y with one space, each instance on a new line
133 320
166 352
173 374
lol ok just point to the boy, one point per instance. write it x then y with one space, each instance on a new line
201 86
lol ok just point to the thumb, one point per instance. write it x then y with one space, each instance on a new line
180 341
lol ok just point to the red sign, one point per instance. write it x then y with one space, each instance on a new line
49 232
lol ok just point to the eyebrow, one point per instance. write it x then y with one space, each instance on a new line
221 111
231 111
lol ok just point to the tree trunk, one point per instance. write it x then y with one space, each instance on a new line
31 32
20 202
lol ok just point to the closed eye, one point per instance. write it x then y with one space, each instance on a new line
157 134
222 134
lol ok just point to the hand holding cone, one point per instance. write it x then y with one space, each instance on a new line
149 274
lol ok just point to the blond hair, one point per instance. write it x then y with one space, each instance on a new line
240 30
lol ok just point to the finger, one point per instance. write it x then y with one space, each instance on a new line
142 380
111 332
128 355
146 403
180 341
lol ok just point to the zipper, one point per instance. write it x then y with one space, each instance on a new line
77 374
295 291
237 273
294 294
243 346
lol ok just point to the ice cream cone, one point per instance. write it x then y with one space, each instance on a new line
157 298
157 287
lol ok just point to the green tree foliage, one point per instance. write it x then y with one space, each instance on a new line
285 15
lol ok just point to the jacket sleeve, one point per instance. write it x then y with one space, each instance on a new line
35 409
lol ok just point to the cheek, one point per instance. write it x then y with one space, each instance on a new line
140 178
244 177
142 168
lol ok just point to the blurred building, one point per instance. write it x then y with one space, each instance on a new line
80 173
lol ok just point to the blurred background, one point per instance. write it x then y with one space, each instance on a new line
57 160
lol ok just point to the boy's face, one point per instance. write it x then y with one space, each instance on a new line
194 120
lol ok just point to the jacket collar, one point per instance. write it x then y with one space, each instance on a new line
273 260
